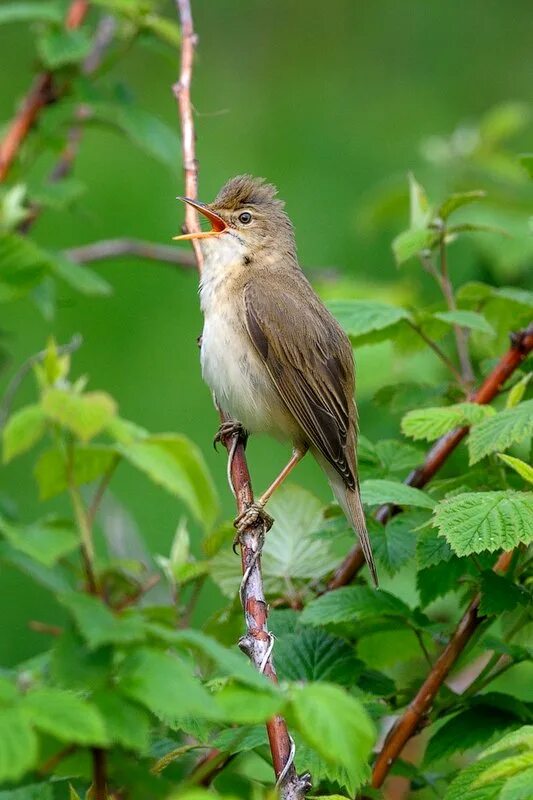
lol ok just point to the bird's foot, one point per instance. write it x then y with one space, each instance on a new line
228 429
254 514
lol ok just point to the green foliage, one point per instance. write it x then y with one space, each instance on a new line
476 521
501 431
431 423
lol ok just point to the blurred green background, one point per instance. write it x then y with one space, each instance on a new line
326 100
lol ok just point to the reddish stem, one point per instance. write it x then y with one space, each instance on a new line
39 96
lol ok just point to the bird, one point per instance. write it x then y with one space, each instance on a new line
276 360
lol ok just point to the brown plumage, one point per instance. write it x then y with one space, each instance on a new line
275 358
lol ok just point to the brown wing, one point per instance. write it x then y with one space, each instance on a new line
310 361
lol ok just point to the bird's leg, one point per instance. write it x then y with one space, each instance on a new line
228 429
256 510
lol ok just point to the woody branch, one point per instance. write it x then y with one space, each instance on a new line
257 642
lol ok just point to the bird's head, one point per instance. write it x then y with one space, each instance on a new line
245 216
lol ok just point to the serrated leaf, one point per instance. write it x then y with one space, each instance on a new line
501 431
359 317
164 685
312 654
22 266
176 464
336 725
431 548
74 665
90 462
376 492
394 543
521 739
31 12
240 739
455 201
499 594
518 787
23 429
353 603
461 787
126 724
81 278
46 540
524 470
431 423
477 521
18 752
466 319
409 243
439 579
59 47
65 716
505 768
85 415
419 210
98 625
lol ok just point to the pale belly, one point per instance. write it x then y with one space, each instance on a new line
239 380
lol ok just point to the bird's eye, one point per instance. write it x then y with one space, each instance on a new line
245 217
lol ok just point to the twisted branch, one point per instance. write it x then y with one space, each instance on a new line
257 642
115 248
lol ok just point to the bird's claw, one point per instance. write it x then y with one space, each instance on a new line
251 516
228 429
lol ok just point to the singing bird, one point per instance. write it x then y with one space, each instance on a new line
275 359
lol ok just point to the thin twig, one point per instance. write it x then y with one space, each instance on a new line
86 544
117 248
41 93
414 716
521 346
440 353
257 642
99 757
13 385
100 491
461 335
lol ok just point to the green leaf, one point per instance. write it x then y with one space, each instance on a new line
432 423
165 30
376 492
22 266
65 716
18 752
466 319
420 212
501 431
126 724
477 521
411 242
516 394
56 579
312 654
46 540
31 12
90 462
394 543
336 725
74 665
455 201
23 429
353 603
504 769
165 686
431 548
518 787
461 788
60 47
524 470
359 317
248 706
85 415
149 133
98 625
81 278
176 464
521 739
439 579
499 594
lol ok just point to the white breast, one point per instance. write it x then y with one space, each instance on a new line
230 365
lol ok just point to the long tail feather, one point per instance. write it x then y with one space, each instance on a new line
350 502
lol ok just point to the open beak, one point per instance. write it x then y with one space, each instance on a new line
218 225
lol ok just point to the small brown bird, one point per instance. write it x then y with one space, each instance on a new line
275 359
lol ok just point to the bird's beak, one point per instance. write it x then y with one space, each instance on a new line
218 225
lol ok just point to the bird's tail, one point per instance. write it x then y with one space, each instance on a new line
350 502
